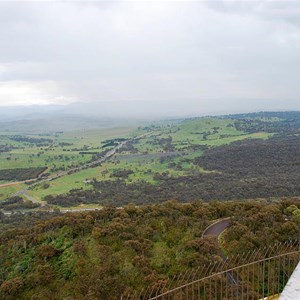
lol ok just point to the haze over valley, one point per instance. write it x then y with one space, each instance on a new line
149 149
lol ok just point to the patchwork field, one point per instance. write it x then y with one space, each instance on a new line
164 152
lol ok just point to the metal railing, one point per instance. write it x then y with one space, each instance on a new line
249 276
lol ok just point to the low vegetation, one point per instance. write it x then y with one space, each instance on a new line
21 174
214 158
17 203
83 255
143 234
242 170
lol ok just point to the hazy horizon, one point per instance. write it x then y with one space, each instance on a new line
122 110
169 57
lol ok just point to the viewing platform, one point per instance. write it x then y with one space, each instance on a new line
292 288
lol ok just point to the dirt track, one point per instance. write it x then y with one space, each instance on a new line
9 184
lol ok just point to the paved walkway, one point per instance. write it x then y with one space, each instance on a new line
292 288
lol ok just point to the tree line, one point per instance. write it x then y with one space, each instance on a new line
242 170
21 174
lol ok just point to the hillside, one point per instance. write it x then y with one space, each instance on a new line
209 158
83 255
173 170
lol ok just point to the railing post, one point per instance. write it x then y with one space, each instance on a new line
261 278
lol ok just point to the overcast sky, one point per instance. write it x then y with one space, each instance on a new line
240 55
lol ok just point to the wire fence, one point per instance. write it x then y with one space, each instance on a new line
248 276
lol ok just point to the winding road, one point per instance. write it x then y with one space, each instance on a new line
217 228
105 157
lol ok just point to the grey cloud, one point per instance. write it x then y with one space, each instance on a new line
284 10
224 51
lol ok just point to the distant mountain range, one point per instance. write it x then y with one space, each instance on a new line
81 115
115 110
93 115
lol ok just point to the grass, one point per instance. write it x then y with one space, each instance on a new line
228 140
65 184
9 190
149 159
58 155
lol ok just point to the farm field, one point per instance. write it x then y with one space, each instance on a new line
7 191
167 150
55 151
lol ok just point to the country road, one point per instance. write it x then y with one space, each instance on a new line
9 184
73 170
4 185
106 156
217 228
32 199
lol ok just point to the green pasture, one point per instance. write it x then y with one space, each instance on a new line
5 192
192 132
203 131
65 184
58 155
147 160
228 140
17 159
94 137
